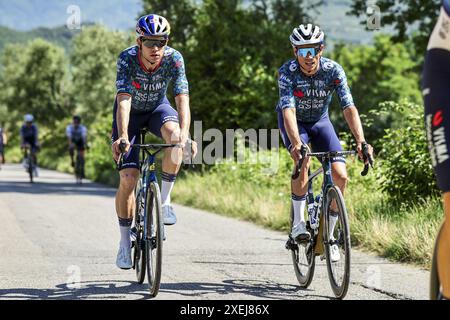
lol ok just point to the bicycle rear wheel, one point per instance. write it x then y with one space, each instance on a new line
303 258
336 234
139 252
435 283
154 240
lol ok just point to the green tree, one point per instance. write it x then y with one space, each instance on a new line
406 173
402 15
94 57
34 79
381 72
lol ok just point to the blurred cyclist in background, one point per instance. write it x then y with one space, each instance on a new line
29 137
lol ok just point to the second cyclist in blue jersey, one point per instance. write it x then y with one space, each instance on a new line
144 73
306 85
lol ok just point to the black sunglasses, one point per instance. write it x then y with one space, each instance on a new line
149 43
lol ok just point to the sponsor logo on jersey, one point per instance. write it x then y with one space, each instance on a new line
437 142
328 66
136 85
299 93
315 93
132 51
293 66
154 86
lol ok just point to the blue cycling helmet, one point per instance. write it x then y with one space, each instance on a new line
152 25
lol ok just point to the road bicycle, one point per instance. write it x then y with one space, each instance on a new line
328 224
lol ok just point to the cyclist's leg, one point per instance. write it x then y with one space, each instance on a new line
80 155
299 183
129 175
71 154
324 139
164 124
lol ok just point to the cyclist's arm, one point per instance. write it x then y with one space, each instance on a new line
36 137
351 115
287 106
184 114
124 90
123 115
5 139
181 93
290 125
69 135
84 134
22 140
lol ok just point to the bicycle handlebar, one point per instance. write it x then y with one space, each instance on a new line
152 146
304 153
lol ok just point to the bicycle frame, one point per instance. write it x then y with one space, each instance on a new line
327 183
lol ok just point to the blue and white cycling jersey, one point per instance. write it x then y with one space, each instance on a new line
311 95
148 89
435 86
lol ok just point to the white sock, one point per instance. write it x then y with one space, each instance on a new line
299 204
125 240
125 227
167 183
333 221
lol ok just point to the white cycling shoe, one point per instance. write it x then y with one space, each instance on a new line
335 255
169 216
299 232
123 260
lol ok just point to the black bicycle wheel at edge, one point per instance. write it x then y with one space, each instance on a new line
435 284
303 259
154 241
338 271
140 259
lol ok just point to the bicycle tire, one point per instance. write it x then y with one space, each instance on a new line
435 284
154 241
304 277
339 290
140 260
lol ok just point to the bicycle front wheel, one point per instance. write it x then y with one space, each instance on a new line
336 234
303 259
435 283
154 239
139 253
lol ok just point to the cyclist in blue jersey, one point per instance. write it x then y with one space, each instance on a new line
306 85
436 80
77 138
144 72
29 136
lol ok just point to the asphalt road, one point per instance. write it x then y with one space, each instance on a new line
59 241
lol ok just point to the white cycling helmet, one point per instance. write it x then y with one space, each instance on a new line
306 34
28 118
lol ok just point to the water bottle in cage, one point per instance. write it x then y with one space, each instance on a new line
315 212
